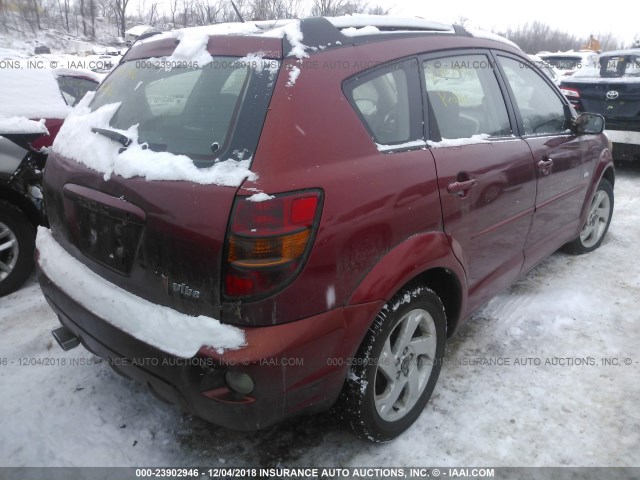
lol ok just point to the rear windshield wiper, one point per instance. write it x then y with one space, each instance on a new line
116 136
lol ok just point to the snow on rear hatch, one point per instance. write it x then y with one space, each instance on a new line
154 122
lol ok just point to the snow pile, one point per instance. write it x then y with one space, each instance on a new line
21 125
410 23
258 62
458 142
260 197
294 73
294 35
356 32
76 141
31 93
71 72
192 48
161 327
231 28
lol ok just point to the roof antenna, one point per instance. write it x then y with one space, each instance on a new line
237 11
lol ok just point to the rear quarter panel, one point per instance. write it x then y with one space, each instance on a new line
381 221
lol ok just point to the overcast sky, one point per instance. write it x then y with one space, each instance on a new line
579 18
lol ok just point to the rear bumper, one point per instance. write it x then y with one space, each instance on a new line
624 136
297 367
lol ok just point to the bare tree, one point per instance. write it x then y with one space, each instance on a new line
208 12
92 16
66 14
378 10
274 9
82 13
608 41
173 6
186 12
537 36
36 10
153 11
462 20
120 7
334 8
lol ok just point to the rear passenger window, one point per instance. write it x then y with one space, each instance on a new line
383 101
540 107
464 97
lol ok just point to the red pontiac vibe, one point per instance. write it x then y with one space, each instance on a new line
266 219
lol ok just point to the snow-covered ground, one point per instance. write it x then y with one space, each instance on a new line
574 412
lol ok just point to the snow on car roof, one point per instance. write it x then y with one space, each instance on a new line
230 28
491 36
569 53
385 21
613 53
276 28
139 30
22 125
31 93
74 72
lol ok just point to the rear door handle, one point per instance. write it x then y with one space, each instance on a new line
545 164
460 188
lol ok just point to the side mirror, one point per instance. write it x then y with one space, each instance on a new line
588 123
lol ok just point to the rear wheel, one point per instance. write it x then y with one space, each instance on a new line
396 367
17 241
597 222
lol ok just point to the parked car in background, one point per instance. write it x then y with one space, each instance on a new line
611 89
547 68
568 63
33 105
297 214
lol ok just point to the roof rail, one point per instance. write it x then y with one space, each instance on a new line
386 23
325 32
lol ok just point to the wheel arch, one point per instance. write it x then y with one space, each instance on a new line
610 175
422 260
603 169
30 211
447 287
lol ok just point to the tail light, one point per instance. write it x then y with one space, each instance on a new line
570 93
268 242
573 95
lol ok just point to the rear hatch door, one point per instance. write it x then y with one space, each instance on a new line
142 181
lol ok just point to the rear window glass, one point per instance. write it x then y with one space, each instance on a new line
619 65
183 110
383 104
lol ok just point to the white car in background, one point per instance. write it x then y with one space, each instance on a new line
549 70
33 105
568 63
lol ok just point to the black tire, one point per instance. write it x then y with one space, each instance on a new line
597 223
16 264
368 391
